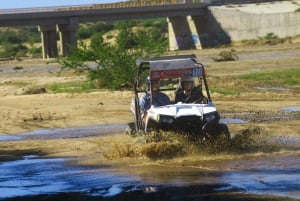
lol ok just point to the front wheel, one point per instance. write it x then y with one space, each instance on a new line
222 132
139 124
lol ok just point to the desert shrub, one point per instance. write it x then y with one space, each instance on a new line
268 39
18 68
226 56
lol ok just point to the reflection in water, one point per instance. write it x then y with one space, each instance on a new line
9 138
272 182
273 88
64 133
273 175
232 121
291 109
34 176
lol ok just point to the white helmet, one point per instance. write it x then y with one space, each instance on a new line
186 80
149 82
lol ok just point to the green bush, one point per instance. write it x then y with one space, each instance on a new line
29 34
103 27
97 39
21 35
9 37
36 52
84 33
114 62
12 42
98 28
13 51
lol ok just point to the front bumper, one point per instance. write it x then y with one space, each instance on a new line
190 124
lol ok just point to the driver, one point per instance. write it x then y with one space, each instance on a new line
188 93
158 98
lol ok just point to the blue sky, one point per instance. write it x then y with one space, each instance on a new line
10 4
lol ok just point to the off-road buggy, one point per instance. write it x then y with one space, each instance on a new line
197 118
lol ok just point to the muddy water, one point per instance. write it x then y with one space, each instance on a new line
276 175
35 176
76 132
272 175
80 132
32 175
291 109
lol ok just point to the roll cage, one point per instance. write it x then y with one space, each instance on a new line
165 68
169 67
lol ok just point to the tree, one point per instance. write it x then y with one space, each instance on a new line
114 62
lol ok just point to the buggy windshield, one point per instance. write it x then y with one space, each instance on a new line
173 67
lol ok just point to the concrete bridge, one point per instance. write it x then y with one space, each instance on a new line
191 23
183 32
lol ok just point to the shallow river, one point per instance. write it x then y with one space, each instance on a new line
32 175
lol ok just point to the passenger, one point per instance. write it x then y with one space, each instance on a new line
158 98
188 93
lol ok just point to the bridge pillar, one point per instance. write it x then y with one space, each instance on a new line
203 27
67 35
173 45
194 32
49 38
183 34
180 37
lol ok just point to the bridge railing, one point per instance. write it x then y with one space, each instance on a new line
99 6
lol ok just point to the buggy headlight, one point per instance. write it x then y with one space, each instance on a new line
165 119
209 117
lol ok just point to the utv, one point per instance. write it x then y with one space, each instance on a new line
197 118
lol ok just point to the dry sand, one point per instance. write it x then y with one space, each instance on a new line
21 113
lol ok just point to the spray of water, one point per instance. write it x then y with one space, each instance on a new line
168 145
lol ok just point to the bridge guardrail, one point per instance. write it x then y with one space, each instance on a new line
98 6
